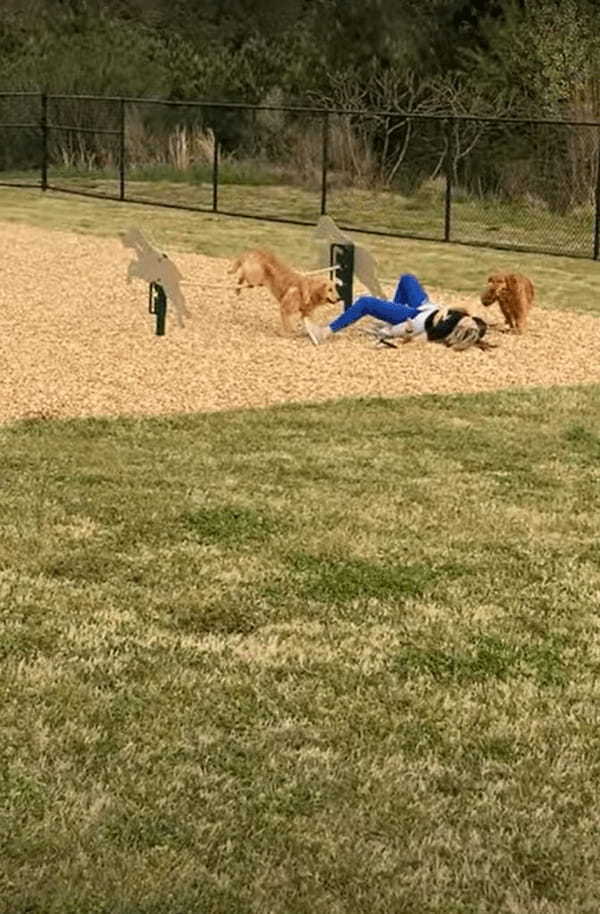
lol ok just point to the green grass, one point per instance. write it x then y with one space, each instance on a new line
257 191
562 282
312 659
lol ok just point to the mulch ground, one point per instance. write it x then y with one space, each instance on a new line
77 340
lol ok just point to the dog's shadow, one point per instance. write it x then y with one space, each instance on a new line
265 326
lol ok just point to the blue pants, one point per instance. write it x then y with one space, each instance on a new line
409 295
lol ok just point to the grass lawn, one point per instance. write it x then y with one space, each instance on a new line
334 659
422 215
561 282
313 659
383 211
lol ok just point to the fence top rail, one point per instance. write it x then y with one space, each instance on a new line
302 109
19 94
75 129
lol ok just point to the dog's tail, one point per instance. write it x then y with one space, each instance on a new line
235 265
530 289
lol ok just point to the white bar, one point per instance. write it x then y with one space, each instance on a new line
322 270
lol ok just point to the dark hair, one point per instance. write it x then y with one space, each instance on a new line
441 330
482 326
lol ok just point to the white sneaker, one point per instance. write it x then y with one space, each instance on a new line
317 333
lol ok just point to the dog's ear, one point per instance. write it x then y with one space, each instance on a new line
305 292
291 301
513 284
522 288
488 295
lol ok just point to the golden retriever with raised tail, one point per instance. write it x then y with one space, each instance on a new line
297 293
514 294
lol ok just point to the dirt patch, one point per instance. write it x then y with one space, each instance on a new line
76 340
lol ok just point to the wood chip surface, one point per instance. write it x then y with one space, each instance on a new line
77 340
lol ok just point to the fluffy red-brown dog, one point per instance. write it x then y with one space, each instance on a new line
297 293
514 294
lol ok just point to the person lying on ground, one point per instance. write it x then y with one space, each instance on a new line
409 315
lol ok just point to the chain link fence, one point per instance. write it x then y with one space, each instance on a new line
505 183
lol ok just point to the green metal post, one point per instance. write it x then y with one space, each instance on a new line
157 304
342 256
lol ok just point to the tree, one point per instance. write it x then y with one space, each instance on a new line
545 50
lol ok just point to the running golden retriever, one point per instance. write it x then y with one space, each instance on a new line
297 293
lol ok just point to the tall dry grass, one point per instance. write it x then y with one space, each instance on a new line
294 151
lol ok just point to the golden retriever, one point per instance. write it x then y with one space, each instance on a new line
514 294
297 293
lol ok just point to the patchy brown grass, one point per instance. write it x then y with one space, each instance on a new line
310 659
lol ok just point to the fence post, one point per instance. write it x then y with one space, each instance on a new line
597 214
215 174
324 154
122 149
44 129
449 124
